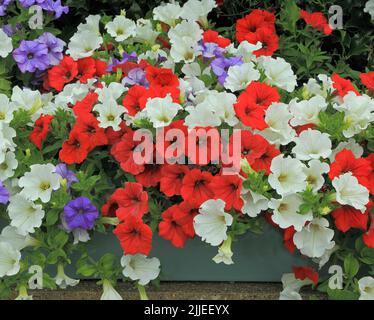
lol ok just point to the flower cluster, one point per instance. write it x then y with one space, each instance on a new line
163 127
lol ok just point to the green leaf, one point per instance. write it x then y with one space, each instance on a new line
336 294
351 266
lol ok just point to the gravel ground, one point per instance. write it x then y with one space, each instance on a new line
88 290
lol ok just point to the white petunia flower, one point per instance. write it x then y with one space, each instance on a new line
109 114
307 111
202 115
350 192
6 44
292 286
83 44
224 252
6 109
279 131
315 238
366 287
359 112
26 99
185 50
186 31
9 260
62 280
40 182
8 166
352 145
109 293
254 203
246 49
140 268
18 241
167 13
287 175
111 92
121 28
314 174
240 76
195 10
25 215
91 24
222 105
278 73
212 221
286 212
22 294
72 93
312 144
161 111
326 256
145 33
369 8
6 140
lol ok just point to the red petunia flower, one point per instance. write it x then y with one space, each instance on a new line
101 68
317 20
227 188
264 162
214 37
134 201
251 23
368 237
134 235
288 239
161 77
261 94
116 136
116 200
40 131
171 226
342 86
63 73
268 39
303 273
370 158
85 106
86 69
347 217
367 80
249 113
196 185
75 149
135 99
253 146
124 152
88 125
171 179
345 161
189 208
150 176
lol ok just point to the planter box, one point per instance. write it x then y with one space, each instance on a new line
257 258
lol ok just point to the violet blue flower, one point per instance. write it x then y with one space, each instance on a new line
54 6
63 170
136 76
211 50
80 214
10 30
3 6
4 194
31 56
55 47
27 3
221 65
125 57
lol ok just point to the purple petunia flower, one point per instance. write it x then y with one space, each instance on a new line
65 173
125 57
10 30
221 65
80 214
3 6
211 50
4 194
136 76
55 47
31 56
47 5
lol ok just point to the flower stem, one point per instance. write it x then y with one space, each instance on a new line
142 292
